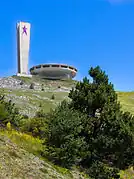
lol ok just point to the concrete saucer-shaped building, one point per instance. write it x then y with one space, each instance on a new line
54 71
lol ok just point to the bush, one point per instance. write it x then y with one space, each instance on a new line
42 87
101 171
4 115
53 97
40 105
22 83
8 112
35 126
41 114
25 116
31 86
63 141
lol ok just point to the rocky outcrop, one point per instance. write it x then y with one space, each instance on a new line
14 83
28 99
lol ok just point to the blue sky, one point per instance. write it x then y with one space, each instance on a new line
82 33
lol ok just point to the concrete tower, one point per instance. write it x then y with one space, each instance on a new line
23 43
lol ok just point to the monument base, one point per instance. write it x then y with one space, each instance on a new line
24 75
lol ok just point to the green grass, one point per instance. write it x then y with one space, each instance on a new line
33 98
24 79
127 101
126 98
25 141
17 159
127 174
20 159
44 98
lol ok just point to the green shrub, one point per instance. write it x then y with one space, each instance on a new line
31 86
4 115
22 82
9 127
53 97
35 126
99 170
8 112
42 87
40 114
40 105
63 141
25 116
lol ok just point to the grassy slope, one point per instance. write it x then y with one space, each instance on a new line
30 101
19 159
32 98
127 101
19 156
44 98
126 98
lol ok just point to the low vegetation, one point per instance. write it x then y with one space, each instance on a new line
20 158
127 101
88 136
66 83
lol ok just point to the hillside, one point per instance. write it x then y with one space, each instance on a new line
19 159
127 101
30 100
19 156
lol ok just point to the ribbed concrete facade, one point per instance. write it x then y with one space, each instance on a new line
54 71
23 44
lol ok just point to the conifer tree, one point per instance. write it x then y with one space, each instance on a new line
108 131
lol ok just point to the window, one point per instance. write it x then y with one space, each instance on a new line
55 65
45 66
39 66
63 66
71 68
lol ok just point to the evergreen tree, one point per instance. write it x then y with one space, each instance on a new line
108 131
91 131
90 98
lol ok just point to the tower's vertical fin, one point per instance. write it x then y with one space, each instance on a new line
23 45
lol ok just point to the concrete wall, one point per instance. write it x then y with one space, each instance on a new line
54 72
23 43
